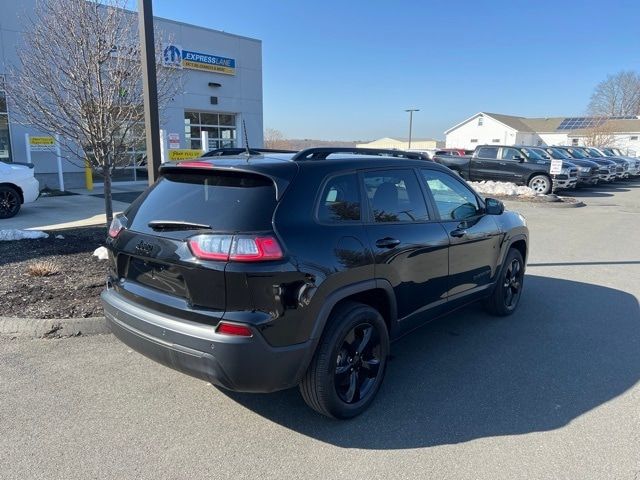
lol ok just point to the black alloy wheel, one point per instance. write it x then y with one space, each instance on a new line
349 364
9 202
512 283
509 286
358 363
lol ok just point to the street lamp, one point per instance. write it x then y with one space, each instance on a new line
411 110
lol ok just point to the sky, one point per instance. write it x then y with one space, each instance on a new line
347 70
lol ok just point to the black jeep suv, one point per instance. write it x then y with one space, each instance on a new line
264 271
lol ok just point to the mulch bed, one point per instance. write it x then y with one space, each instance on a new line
71 290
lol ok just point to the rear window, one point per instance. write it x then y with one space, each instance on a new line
487 152
227 201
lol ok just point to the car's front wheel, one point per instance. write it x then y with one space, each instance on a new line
349 364
9 201
541 184
508 290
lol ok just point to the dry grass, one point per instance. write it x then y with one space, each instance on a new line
44 268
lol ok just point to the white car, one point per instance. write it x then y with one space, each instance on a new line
17 186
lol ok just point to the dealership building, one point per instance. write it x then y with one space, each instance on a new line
498 129
221 91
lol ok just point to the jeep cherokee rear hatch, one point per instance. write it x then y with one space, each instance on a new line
171 247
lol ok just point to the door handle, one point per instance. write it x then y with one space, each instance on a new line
458 232
503 163
387 242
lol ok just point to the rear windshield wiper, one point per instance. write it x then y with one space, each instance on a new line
176 225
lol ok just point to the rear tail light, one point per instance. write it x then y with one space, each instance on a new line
252 249
117 225
233 329
211 247
239 248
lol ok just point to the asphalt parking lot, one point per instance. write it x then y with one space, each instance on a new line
552 392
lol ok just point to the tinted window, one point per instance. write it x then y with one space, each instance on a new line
454 200
226 201
560 154
395 196
488 152
510 153
340 200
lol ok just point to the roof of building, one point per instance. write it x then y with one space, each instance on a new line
574 125
401 140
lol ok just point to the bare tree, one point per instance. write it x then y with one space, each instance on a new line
618 95
275 139
79 76
600 136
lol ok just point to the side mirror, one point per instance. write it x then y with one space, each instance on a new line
519 159
493 206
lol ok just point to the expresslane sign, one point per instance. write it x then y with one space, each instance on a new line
184 154
176 57
39 144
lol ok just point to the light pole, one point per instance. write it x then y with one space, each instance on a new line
149 88
411 110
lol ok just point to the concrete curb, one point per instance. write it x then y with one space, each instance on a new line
52 327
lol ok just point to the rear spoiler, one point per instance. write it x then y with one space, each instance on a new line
280 174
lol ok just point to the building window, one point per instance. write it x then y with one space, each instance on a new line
495 140
5 137
480 121
474 140
221 128
574 142
634 137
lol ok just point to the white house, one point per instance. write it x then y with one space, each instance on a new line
493 128
401 143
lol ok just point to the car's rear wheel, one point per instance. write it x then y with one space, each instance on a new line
508 290
9 201
349 364
541 184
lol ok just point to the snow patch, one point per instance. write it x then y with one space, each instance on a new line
504 189
102 253
60 237
14 234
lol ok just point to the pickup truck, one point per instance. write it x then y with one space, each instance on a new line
515 164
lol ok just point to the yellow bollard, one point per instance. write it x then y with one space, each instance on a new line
88 176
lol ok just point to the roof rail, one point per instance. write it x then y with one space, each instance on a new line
321 153
225 152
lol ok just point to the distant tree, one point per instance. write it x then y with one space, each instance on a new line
79 75
275 139
618 95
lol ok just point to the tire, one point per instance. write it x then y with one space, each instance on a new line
9 201
505 298
541 184
339 381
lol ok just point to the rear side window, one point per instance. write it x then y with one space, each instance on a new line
340 200
395 196
227 201
510 153
488 152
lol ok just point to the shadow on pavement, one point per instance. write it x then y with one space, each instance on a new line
570 348
602 189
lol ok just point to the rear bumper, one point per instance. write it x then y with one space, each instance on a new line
30 190
237 363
